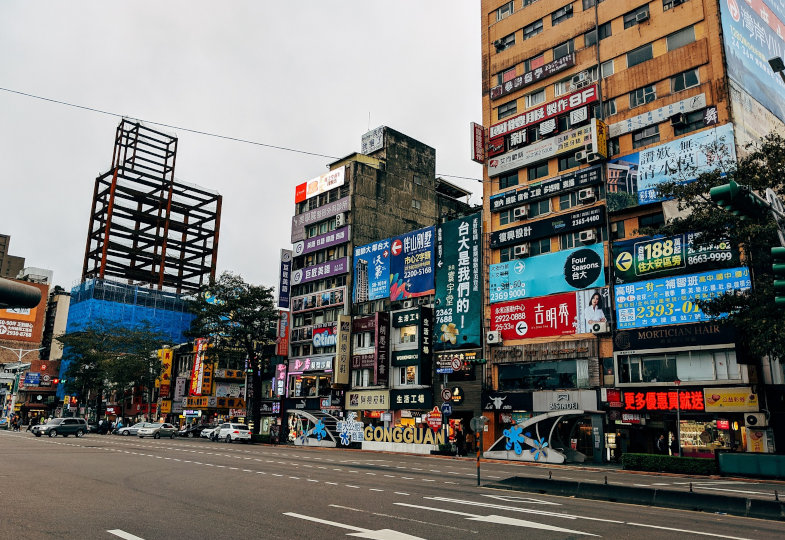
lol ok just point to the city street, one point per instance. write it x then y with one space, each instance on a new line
125 487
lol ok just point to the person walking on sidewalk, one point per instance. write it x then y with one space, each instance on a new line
662 445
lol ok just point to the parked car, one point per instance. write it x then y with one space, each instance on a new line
232 432
61 426
157 430
194 430
4 422
207 431
132 430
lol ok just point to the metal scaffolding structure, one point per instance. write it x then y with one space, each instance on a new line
146 227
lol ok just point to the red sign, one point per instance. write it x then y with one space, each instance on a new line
723 424
397 246
544 316
299 192
664 400
282 341
613 397
478 142
544 112
435 419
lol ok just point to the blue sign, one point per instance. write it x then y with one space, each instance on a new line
551 273
284 278
671 300
411 265
371 271
32 379
446 409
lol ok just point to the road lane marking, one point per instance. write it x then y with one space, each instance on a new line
732 490
123 534
684 531
381 534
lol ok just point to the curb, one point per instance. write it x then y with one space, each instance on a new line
700 502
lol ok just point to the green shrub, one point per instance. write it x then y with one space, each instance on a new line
671 464
260 438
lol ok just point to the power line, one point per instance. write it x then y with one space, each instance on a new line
198 132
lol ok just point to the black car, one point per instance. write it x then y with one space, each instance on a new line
191 431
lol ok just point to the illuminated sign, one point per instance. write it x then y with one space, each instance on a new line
664 400
734 399
197 374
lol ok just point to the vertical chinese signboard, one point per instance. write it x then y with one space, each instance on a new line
478 142
411 265
342 350
166 373
458 282
382 348
282 335
197 374
284 278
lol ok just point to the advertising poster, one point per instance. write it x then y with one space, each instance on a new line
633 179
411 264
371 271
458 284
555 315
733 399
663 301
550 273
22 324
657 256
753 32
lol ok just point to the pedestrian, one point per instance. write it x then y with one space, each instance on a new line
662 445
675 446
460 441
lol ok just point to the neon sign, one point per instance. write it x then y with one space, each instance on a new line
670 400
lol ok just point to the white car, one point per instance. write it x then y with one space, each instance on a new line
207 432
232 432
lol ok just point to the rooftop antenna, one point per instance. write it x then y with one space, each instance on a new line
369 120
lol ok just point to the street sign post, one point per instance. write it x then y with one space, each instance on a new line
446 409
446 394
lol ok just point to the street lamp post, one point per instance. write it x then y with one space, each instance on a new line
677 382
20 353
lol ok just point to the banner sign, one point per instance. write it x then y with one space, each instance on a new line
166 356
663 400
657 116
411 264
735 399
317 214
556 315
664 301
544 228
545 111
320 184
371 271
680 335
419 399
477 136
547 274
458 284
660 256
330 239
342 350
633 179
319 300
574 139
753 32
197 374
282 334
284 278
531 77
546 189
326 269
372 141
357 400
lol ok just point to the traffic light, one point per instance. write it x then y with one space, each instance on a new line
738 200
778 267
55 381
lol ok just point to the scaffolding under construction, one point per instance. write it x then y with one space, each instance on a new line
145 227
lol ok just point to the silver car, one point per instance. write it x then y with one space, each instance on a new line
132 430
157 430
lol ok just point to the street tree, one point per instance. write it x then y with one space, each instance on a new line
760 327
236 315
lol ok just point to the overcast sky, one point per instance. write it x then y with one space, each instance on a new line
302 75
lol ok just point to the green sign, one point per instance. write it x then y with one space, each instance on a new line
654 257
458 312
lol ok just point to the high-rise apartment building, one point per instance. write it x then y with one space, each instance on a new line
588 105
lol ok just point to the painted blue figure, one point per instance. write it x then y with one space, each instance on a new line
514 438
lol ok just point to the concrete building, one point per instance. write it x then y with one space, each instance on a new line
588 106
10 265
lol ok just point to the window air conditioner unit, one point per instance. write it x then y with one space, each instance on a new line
522 250
641 17
588 236
499 44
600 328
520 213
755 419
408 303
493 337
340 220
587 196
592 157
678 119
581 155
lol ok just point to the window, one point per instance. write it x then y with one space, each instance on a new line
508 180
538 247
693 121
639 55
539 208
617 230
506 217
417 179
683 37
613 146
609 108
606 68
548 375
363 340
571 240
407 375
537 171
503 43
504 11
696 365
535 99
534 62
590 38
417 205
528 2
653 221
568 162
645 136
636 16
532 29
638 97
408 334
361 377
506 254
561 14
508 109
568 200
560 51
668 4
504 76
590 4
561 87
684 80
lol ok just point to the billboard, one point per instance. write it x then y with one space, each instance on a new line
319 271
25 324
371 271
547 274
411 264
321 299
665 301
753 33
458 284
547 189
544 228
542 71
300 221
658 256
633 179
330 239
555 315
320 184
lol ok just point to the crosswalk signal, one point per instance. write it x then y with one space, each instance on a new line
778 267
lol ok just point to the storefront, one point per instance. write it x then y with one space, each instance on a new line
580 437
310 377
369 406
504 409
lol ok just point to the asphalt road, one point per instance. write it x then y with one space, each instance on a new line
110 487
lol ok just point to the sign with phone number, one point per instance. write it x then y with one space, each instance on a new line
672 300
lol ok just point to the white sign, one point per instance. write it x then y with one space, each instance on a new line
373 140
325 182
565 400
568 141
657 115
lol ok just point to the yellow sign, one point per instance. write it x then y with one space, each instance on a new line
734 399
207 378
624 261
403 434
166 406
600 137
66 399
371 400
